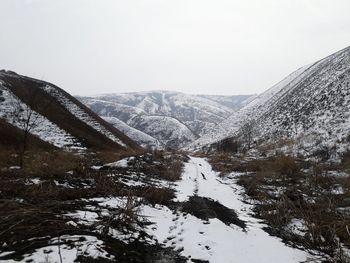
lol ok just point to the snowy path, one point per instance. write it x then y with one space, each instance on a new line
215 241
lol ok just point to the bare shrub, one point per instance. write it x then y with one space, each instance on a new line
232 145
126 217
156 195
247 133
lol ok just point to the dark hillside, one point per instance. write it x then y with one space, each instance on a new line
31 92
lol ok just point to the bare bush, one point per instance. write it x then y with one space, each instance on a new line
24 115
247 133
125 218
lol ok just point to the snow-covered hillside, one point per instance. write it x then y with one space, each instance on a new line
253 110
162 114
316 112
15 112
54 116
77 111
310 105
144 139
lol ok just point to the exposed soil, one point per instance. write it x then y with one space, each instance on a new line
205 208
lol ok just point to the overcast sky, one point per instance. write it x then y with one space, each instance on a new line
195 46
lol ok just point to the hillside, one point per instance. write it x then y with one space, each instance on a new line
311 106
54 116
112 202
172 118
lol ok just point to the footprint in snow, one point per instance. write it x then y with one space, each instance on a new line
172 228
181 231
169 238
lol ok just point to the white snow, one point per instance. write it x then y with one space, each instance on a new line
163 114
123 163
81 114
297 227
85 217
42 127
215 241
192 237
144 139
167 130
252 110
311 103
83 245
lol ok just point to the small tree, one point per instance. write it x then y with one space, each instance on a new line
247 132
231 144
26 118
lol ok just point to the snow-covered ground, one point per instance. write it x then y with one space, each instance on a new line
215 241
212 240
55 253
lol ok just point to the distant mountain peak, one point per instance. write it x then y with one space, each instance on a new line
174 119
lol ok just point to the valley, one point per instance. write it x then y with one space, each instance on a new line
164 119
164 176
200 216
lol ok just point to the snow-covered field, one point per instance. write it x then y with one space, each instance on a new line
55 253
215 241
209 240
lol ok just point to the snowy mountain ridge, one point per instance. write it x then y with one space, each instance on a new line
54 116
47 131
252 110
173 119
308 102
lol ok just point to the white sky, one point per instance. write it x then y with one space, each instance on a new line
195 46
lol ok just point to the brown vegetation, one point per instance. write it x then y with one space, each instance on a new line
290 189
34 200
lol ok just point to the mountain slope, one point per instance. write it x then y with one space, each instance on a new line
316 112
11 138
252 110
59 118
162 114
313 103
171 132
142 138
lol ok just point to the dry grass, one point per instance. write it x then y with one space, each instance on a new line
156 195
160 164
8 158
34 199
286 191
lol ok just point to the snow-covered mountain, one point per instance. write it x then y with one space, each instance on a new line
52 115
312 106
172 119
